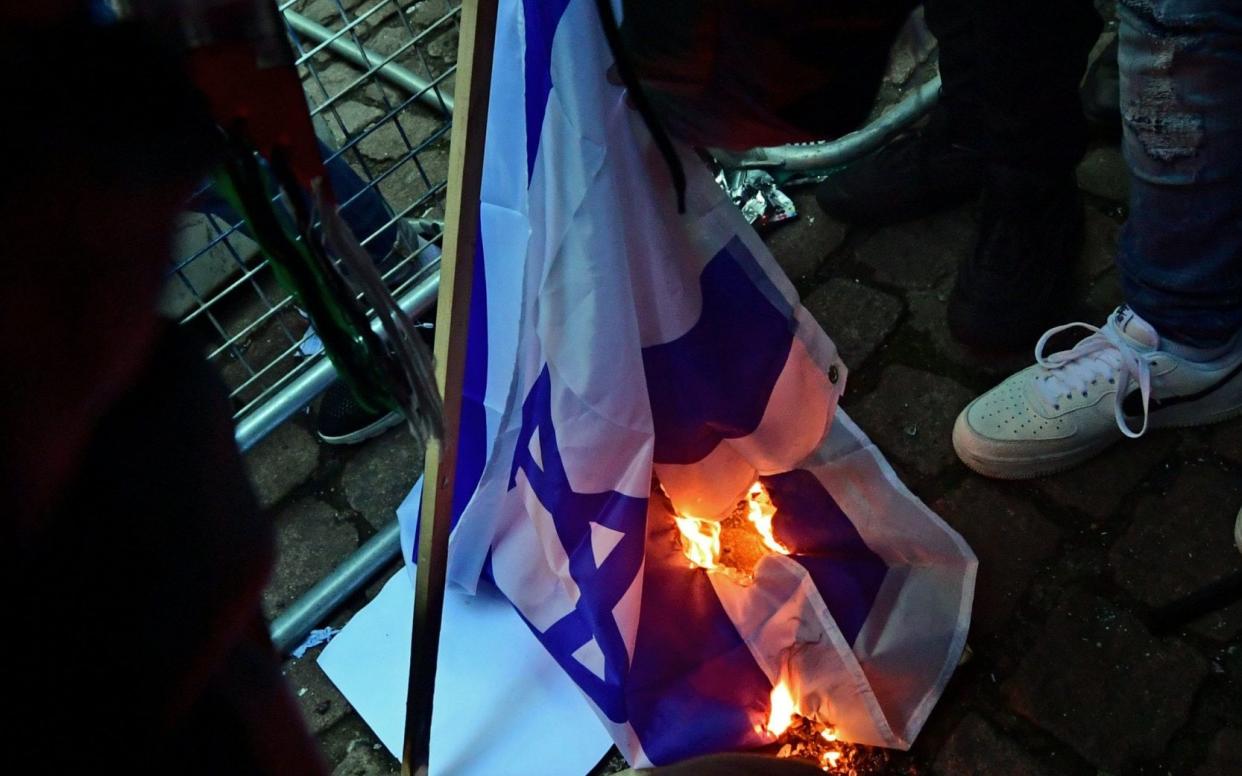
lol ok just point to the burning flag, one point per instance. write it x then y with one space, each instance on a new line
652 468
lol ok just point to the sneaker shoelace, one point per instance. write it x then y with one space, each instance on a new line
1104 354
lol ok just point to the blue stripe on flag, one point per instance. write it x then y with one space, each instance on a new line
472 427
694 685
472 430
713 382
847 573
542 18
600 586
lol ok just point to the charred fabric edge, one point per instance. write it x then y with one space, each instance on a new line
612 34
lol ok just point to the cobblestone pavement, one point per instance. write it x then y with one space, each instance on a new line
1065 676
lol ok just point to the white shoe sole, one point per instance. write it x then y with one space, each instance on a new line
1025 467
1222 405
368 432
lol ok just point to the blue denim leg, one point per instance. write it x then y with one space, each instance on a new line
363 208
1181 99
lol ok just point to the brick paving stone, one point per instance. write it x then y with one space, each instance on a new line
1232 660
912 48
801 245
384 18
857 318
1011 539
283 460
322 11
381 474
264 346
332 80
1227 440
214 265
348 119
443 46
402 186
1103 173
1182 541
927 316
976 748
429 11
919 255
910 416
1099 248
1224 756
1098 486
395 40
389 142
1103 296
321 704
901 65
1100 682
311 540
366 761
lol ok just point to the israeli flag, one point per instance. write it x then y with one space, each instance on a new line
614 343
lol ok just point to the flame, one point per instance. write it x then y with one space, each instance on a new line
759 511
780 717
700 541
809 740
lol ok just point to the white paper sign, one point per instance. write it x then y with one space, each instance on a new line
503 707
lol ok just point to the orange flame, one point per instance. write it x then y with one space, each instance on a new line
700 541
759 510
780 716
807 739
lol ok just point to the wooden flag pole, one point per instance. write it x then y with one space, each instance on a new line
461 229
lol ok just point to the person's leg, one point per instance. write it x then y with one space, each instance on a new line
1180 254
931 167
363 208
1009 96
960 110
1029 60
1009 125
1173 356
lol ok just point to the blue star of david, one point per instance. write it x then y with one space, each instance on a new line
587 641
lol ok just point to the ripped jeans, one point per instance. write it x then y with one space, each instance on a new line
1180 254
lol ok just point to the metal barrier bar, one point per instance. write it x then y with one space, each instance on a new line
299 392
365 58
806 157
318 603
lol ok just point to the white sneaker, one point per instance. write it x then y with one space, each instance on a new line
1071 405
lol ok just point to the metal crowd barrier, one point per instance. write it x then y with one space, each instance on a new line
378 79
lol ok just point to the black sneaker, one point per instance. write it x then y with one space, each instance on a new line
342 421
914 175
1016 283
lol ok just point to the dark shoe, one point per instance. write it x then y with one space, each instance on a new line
1101 93
342 421
1017 282
916 174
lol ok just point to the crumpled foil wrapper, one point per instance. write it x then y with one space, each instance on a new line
757 196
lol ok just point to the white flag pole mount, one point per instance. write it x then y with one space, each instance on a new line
461 229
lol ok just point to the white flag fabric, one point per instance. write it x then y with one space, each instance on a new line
612 342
